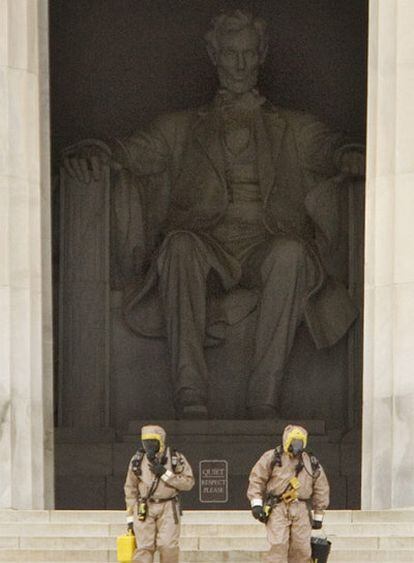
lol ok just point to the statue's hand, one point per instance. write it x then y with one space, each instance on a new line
84 161
353 163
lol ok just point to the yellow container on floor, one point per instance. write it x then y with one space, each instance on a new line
126 546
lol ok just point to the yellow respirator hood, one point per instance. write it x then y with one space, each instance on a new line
151 432
291 433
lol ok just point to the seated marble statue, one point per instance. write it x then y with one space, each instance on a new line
252 190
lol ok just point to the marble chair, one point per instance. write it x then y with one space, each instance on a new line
108 233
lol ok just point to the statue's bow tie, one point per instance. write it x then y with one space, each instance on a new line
250 101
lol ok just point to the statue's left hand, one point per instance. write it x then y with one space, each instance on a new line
84 161
353 163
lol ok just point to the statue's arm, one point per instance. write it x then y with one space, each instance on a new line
330 160
327 152
144 153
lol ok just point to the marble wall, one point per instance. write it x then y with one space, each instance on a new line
388 401
26 402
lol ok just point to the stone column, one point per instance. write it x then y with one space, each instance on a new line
26 403
388 401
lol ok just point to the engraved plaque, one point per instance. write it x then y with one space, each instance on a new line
214 483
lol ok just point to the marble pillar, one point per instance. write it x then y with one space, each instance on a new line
26 401
388 400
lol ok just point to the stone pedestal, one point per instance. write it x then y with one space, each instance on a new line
26 425
99 460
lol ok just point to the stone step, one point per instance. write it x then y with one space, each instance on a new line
196 517
354 556
337 529
61 529
56 555
381 536
351 530
357 556
202 543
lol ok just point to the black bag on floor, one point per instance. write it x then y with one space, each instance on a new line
321 547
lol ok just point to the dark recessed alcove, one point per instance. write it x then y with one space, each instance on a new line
115 66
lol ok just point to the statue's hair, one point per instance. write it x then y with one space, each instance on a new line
236 21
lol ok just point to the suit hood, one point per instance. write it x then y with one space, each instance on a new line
154 432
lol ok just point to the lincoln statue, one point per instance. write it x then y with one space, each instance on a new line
251 193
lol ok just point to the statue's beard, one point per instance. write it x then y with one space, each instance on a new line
241 86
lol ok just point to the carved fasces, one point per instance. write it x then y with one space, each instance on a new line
84 292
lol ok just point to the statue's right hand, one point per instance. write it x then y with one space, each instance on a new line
84 161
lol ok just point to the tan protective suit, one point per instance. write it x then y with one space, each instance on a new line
289 526
161 529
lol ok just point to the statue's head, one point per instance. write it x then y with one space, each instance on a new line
237 45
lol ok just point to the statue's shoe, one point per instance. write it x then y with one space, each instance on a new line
194 412
261 412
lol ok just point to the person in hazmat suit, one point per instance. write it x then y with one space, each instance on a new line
156 475
289 492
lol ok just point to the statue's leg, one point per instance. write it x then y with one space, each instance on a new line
286 275
183 270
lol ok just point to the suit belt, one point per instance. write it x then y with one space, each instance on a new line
277 499
160 500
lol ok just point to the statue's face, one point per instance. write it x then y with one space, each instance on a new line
238 60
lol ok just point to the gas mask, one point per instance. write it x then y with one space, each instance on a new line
151 447
153 441
296 447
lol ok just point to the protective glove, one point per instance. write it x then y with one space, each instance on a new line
316 524
259 513
131 528
157 469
